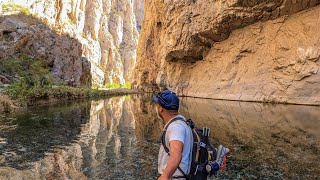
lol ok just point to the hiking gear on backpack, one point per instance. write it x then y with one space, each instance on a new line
206 160
213 166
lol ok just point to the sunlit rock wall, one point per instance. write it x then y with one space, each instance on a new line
106 29
238 50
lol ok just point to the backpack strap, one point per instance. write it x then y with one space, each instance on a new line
198 145
163 138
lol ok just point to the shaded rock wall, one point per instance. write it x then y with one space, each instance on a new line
107 31
139 12
22 35
209 49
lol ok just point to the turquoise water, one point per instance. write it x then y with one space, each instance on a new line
117 138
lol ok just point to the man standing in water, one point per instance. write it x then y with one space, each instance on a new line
176 148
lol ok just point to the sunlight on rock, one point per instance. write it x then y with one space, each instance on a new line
108 31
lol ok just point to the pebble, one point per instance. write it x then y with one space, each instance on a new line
10 154
3 143
22 149
2 159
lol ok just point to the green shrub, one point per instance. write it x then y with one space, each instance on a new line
15 7
127 85
113 85
30 73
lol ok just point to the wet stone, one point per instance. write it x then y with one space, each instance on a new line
10 156
21 148
3 143
2 159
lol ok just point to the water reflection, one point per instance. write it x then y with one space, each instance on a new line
118 148
39 143
116 138
267 141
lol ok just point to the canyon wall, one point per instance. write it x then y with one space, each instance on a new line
237 50
24 38
107 31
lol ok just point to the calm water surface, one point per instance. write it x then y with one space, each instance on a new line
117 138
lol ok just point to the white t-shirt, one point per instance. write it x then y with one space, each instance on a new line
177 130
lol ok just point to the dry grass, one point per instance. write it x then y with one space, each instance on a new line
7 105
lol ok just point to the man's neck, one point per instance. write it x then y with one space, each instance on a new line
169 118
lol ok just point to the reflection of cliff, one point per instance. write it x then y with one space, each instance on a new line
266 140
116 138
111 144
148 126
60 164
108 145
41 143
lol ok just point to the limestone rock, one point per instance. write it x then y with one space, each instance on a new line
60 53
139 12
106 30
190 28
209 49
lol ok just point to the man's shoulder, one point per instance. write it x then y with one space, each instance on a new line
179 116
180 122
179 119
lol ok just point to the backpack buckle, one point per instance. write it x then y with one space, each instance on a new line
201 144
196 170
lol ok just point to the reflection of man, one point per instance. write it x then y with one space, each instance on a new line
175 151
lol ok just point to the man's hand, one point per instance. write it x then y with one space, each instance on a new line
176 149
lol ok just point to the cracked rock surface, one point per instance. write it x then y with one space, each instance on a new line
22 35
238 50
107 31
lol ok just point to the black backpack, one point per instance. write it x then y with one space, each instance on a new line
203 153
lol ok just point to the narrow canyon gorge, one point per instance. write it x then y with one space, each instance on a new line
249 50
96 39
78 78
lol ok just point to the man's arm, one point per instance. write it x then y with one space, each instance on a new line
176 149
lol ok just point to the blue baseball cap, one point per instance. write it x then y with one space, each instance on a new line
167 99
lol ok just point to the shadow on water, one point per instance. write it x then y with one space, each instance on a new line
117 138
30 135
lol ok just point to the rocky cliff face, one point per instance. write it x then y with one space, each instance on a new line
24 37
239 50
106 30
